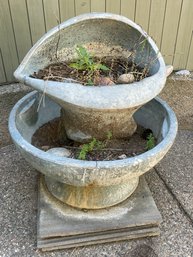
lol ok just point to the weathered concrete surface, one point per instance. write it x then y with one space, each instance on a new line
176 169
178 93
18 219
9 95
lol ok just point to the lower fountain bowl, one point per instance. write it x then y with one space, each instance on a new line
90 184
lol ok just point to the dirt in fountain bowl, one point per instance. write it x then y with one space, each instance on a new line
93 71
49 136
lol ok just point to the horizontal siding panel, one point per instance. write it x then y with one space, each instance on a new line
190 56
2 73
36 19
156 20
82 6
170 29
7 41
128 8
21 27
51 12
98 5
67 9
184 34
142 13
113 6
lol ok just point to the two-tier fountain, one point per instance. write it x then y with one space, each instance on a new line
85 202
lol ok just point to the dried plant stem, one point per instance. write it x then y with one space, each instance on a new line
62 79
42 99
103 149
58 41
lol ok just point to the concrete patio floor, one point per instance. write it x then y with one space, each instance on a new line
171 184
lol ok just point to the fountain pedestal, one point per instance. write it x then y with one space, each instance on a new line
61 226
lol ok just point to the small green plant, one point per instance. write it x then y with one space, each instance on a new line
89 147
150 142
94 144
85 62
109 135
84 150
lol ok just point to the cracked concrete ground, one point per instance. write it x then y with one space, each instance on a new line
171 184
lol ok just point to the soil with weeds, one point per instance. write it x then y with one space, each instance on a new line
48 136
63 72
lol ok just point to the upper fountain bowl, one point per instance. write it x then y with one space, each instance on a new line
104 108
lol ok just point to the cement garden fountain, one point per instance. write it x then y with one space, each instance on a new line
87 202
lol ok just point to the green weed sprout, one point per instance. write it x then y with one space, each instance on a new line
94 144
150 142
85 62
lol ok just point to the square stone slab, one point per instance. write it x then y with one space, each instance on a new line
61 226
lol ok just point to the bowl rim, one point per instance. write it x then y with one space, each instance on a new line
162 146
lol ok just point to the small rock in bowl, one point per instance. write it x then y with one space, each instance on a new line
60 151
126 78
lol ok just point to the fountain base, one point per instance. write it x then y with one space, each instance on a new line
61 226
91 197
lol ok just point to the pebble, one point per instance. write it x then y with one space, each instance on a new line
60 151
45 147
122 156
126 78
183 73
